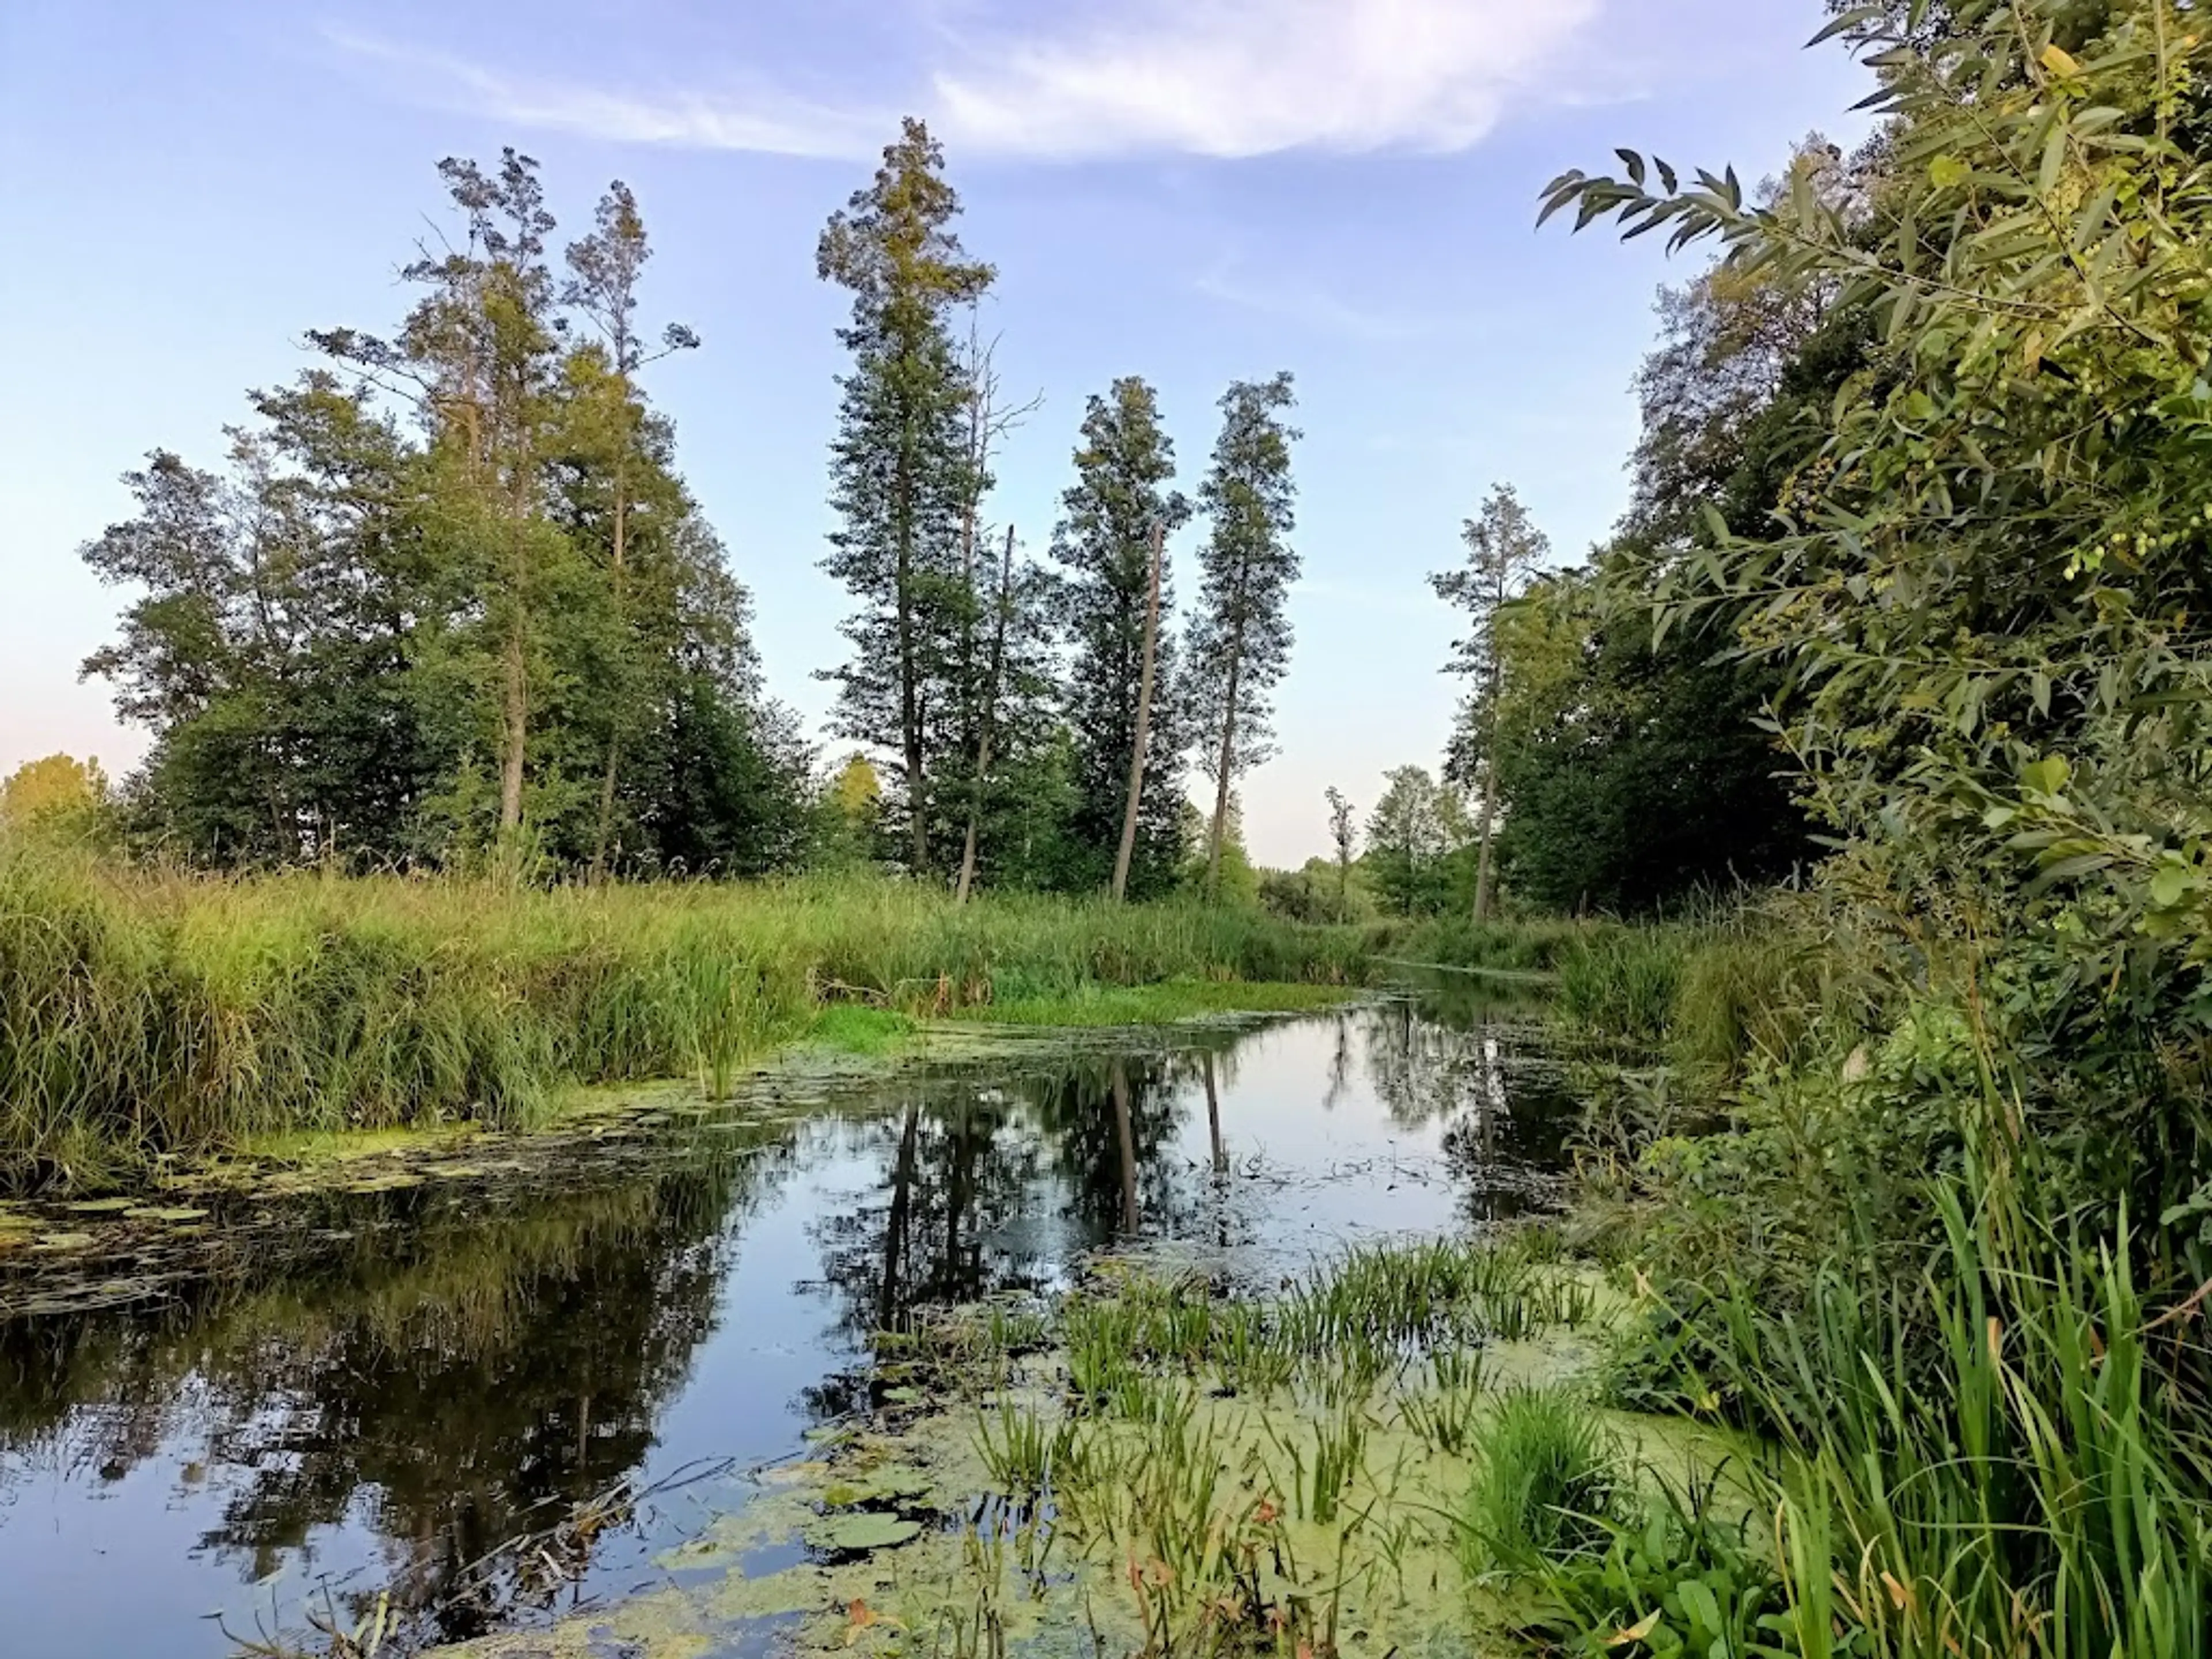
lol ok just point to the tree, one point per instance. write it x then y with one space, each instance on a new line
1013 687
276 650
604 268
326 631
1988 602
1414 826
1343 835
1239 642
1148 655
58 792
903 473
1119 504
1505 549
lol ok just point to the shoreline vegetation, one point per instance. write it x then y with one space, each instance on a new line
145 1011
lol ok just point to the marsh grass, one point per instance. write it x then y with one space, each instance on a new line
1235 1458
1549 1481
145 1011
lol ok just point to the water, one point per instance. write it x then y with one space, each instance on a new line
321 1399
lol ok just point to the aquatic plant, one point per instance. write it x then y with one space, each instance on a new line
1446 1408
1016 1448
1548 1482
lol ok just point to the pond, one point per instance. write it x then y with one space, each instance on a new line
302 1403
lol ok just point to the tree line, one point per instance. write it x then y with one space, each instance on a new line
1597 761
449 598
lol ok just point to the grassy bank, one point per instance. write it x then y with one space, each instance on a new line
142 1012
1869 1208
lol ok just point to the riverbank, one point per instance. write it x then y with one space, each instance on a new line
145 1013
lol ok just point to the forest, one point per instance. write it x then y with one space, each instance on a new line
1847 810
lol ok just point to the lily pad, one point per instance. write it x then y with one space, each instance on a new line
867 1529
102 1205
157 1213
64 1242
385 1183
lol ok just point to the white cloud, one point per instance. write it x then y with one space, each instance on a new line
1249 77
761 120
1203 78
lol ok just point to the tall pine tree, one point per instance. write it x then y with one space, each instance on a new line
1124 465
901 468
1240 639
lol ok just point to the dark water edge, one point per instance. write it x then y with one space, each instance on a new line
372 1395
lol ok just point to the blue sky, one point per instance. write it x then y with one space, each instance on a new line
1194 191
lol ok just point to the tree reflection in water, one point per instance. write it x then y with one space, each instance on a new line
422 1376
472 1366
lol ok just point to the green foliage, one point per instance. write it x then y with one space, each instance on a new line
1124 465
142 1012
1670 1578
59 797
904 476
1504 552
1412 835
1547 1481
450 594
1239 644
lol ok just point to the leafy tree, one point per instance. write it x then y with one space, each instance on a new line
479 358
1504 549
1988 603
1344 835
1415 826
1633 772
58 793
277 651
1239 642
1103 544
605 269
902 479
326 632
1014 689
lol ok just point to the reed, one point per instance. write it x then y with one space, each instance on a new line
145 1011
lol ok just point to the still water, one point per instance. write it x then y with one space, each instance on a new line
334 1397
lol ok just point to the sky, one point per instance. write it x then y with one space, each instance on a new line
1194 191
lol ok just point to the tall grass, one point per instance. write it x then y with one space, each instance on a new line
2007 1457
143 1011
1548 1480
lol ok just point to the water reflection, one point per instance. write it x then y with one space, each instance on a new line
384 1387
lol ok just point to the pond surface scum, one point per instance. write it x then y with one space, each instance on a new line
891 1359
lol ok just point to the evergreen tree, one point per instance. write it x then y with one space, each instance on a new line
1240 640
902 479
1124 463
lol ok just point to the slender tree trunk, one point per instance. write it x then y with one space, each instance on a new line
1221 780
516 692
1128 851
516 721
622 626
990 720
1125 1132
1488 798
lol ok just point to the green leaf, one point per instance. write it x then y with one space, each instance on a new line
2046 776
1948 172
2172 882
